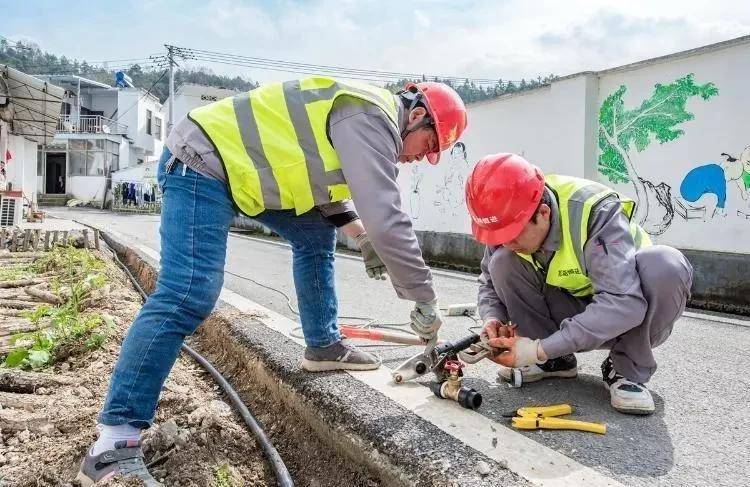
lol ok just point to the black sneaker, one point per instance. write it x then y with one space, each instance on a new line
565 367
626 396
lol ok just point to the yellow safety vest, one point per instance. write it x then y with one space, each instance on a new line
575 199
273 142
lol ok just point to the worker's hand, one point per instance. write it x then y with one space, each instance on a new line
426 320
373 265
494 328
520 351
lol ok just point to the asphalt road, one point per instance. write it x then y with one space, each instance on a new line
698 435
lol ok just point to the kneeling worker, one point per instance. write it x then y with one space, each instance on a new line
567 265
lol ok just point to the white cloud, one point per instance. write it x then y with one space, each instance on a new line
477 38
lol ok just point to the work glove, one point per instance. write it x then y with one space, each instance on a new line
426 320
494 328
373 265
520 351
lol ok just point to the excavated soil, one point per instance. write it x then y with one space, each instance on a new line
196 440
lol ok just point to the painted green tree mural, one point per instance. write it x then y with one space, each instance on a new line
622 130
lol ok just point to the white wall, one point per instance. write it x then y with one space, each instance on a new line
21 171
135 118
85 188
557 127
189 96
719 124
143 172
546 125
105 101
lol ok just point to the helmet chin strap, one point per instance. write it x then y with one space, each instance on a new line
414 98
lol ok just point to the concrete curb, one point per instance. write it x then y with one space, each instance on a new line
356 422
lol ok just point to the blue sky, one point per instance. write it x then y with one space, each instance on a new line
509 39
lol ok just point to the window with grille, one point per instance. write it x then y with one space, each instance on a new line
149 116
7 211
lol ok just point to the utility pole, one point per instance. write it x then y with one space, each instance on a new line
170 59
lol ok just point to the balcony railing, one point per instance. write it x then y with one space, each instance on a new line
90 124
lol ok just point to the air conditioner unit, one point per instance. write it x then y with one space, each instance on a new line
11 211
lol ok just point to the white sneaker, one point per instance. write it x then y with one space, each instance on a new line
565 367
626 396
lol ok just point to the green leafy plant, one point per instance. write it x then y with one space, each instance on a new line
14 273
223 476
64 325
658 117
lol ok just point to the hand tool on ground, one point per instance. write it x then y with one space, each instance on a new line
545 417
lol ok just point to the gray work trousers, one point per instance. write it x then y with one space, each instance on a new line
538 308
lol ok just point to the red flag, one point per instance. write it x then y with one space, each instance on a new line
8 157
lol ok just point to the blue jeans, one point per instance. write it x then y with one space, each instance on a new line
195 219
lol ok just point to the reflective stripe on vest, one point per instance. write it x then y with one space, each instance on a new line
274 144
575 199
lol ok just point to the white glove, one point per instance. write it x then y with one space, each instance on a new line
526 352
520 351
373 265
426 319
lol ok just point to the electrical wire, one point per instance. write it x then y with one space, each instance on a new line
360 71
368 322
309 68
373 77
277 463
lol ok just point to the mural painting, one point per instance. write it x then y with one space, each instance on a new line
717 180
624 131
415 198
450 191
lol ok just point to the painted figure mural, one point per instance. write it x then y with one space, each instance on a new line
624 131
717 180
450 194
415 198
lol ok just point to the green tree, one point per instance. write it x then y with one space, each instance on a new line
658 117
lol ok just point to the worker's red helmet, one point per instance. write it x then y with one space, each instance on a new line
502 194
446 110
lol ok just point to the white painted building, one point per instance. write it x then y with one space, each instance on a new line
102 130
680 124
29 113
189 96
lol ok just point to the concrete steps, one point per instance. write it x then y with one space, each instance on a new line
52 199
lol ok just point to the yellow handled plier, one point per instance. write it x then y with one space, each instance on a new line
545 417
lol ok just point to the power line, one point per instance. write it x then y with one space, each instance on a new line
308 68
374 77
389 74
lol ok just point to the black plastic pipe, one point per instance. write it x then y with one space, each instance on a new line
277 463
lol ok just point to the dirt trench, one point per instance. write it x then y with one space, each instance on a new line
48 416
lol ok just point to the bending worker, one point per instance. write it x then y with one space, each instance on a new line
569 268
288 155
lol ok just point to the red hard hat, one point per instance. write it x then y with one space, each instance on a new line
447 111
502 194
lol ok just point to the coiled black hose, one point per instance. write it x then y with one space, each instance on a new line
277 464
